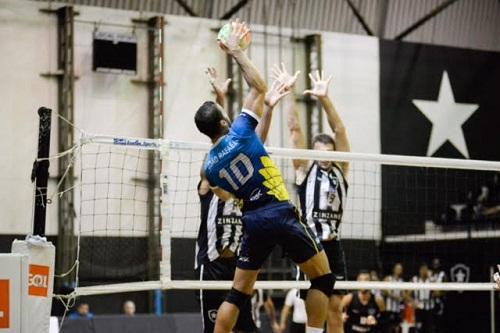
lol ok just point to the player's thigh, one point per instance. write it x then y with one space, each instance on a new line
259 239
315 266
210 300
336 260
244 280
302 246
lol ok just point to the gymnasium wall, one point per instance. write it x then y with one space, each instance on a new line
112 104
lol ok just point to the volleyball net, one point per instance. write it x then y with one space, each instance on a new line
137 217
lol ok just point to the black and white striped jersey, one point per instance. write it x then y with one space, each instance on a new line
220 228
322 197
423 298
394 299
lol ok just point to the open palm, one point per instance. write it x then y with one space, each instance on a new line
276 93
220 86
319 84
281 75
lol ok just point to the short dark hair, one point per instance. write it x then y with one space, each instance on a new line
324 138
208 118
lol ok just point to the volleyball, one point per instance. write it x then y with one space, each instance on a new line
226 30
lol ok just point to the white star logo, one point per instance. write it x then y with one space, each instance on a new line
460 276
447 118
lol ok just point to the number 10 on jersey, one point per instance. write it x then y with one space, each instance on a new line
234 176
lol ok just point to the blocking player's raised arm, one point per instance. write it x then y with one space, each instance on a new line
296 134
280 88
219 86
320 90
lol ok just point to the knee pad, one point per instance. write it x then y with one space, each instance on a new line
324 283
237 298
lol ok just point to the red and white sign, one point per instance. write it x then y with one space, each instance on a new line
38 280
4 304
40 277
13 293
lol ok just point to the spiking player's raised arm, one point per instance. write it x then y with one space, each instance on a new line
258 87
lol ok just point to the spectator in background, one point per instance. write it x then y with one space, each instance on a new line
82 312
362 309
438 275
129 308
424 302
394 300
263 299
374 277
299 317
496 277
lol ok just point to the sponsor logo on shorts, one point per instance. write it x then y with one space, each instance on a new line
4 304
255 195
212 315
38 281
244 259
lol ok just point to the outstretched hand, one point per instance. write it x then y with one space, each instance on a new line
220 87
319 84
280 74
276 93
238 32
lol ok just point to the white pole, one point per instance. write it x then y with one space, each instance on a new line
492 303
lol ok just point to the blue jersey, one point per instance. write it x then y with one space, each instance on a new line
239 164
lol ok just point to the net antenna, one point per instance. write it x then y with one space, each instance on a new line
40 171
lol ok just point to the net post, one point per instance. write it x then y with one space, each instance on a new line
40 172
166 226
492 303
